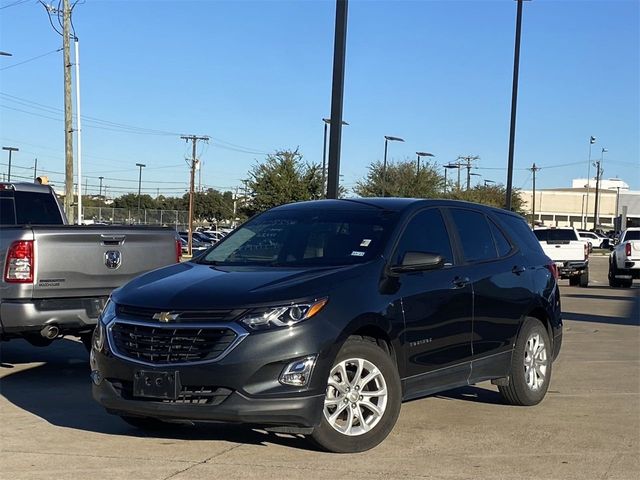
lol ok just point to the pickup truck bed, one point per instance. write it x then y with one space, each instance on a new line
624 263
569 253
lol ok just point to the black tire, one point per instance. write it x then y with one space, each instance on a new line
145 423
331 439
574 281
613 271
583 280
518 392
626 283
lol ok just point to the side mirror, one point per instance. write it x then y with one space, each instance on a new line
418 262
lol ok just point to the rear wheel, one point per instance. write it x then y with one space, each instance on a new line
613 271
573 281
583 279
530 365
362 401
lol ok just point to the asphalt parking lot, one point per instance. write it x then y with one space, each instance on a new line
588 427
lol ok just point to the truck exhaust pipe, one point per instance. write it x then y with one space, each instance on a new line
50 332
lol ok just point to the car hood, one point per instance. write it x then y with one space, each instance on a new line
192 286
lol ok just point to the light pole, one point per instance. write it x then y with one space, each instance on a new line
387 139
100 191
446 168
422 154
592 140
10 150
141 165
514 103
599 172
327 122
617 199
487 182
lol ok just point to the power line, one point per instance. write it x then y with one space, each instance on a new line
30 59
14 4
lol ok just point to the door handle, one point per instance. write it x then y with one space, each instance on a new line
460 282
518 269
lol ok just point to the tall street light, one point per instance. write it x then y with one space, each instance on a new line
514 103
446 169
141 166
10 150
337 97
387 139
327 122
422 154
592 140
487 182
474 175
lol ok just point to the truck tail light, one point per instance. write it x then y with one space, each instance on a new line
553 268
178 251
20 262
627 249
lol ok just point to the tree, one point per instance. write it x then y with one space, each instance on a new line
401 180
283 178
493 195
130 201
212 205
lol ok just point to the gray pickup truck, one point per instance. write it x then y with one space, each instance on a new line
57 277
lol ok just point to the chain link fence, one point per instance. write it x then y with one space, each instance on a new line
177 219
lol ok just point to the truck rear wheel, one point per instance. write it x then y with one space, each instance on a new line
613 271
583 280
573 281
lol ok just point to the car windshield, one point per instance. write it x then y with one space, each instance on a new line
305 237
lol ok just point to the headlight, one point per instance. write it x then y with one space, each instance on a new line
100 332
282 316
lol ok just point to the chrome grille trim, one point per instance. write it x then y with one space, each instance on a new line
240 332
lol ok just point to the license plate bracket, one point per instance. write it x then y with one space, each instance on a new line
154 384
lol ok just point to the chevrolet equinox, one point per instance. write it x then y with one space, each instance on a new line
322 317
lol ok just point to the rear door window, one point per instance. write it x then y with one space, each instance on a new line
502 244
519 231
474 234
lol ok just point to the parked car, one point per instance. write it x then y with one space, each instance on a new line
198 237
624 261
596 240
570 254
57 277
320 318
215 235
196 246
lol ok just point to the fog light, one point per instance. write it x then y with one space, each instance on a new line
298 373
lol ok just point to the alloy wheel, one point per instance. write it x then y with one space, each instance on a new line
535 362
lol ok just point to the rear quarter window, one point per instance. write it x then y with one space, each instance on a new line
519 231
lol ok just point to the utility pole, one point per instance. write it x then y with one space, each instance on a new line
199 176
68 115
468 159
78 128
194 140
592 140
534 169
10 150
141 166
235 208
100 191
35 170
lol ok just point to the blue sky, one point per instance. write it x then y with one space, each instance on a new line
257 75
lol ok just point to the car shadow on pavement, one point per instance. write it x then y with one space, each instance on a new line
55 386
473 393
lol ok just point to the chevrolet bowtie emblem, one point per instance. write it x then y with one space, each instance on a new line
165 317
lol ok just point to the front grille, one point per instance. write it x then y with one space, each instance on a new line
189 395
145 313
170 345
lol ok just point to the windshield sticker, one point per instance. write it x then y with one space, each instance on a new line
365 243
355 253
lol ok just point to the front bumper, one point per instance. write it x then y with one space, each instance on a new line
71 315
248 374
301 411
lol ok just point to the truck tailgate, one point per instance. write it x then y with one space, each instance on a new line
562 252
74 261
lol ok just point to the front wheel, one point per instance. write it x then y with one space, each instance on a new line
362 401
530 365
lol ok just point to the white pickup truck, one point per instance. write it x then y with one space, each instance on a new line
624 261
568 251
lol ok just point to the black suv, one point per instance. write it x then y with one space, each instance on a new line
322 317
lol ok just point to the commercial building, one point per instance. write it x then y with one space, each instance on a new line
575 207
